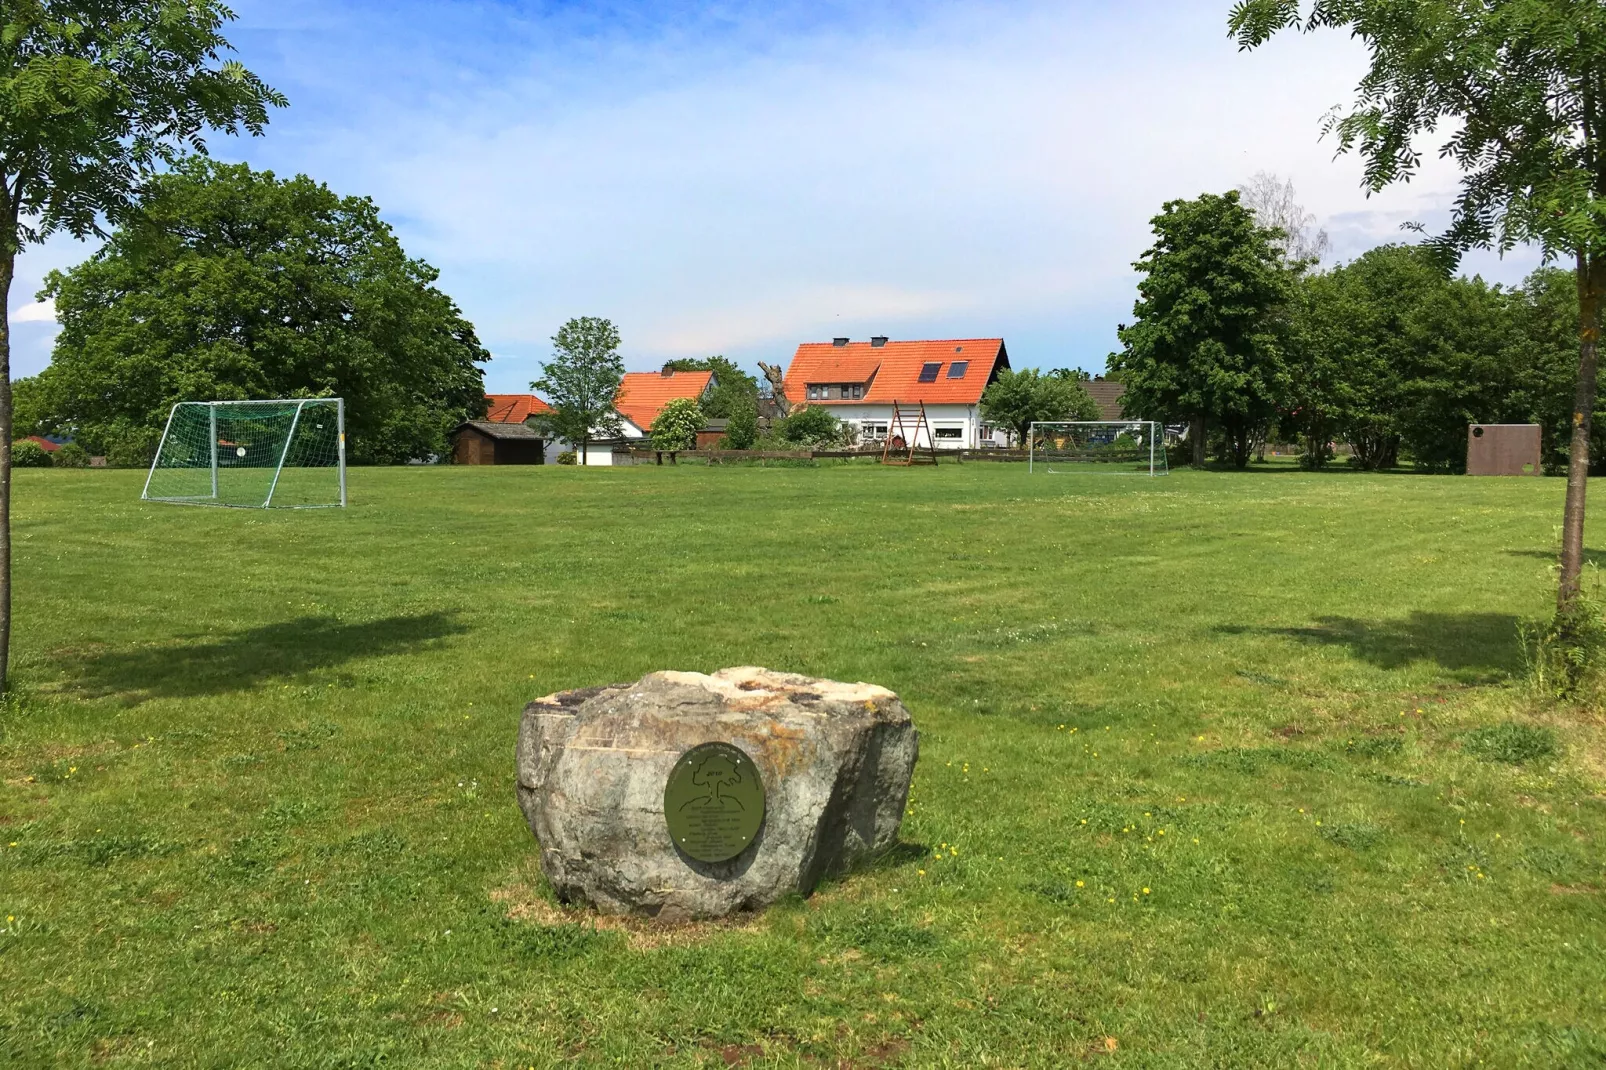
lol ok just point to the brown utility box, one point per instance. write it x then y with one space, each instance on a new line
1504 449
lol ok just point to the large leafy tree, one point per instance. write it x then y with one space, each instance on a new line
95 94
1211 323
228 283
1018 399
676 425
581 381
1518 89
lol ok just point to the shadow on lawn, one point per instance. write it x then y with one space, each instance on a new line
193 666
1592 557
1477 646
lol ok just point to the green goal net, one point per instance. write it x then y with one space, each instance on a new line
1131 447
252 454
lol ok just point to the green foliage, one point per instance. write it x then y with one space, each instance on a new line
581 381
812 425
1017 399
1511 742
732 389
742 431
568 457
676 426
71 455
26 453
230 284
1211 326
1566 656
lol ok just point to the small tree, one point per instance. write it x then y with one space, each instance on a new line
732 386
96 95
742 431
1018 399
582 380
811 426
676 425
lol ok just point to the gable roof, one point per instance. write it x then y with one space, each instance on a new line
500 430
514 408
643 395
1106 393
893 370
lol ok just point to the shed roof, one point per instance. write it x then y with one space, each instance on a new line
503 431
893 370
643 395
1106 393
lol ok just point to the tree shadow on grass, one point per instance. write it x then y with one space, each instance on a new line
187 667
1477 647
1591 557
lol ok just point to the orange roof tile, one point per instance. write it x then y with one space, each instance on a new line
643 395
514 408
893 370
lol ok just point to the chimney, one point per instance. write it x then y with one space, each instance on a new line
839 342
667 372
878 340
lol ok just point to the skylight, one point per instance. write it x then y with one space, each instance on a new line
958 368
928 371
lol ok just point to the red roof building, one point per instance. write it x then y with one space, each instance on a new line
860 381
643 395
514 408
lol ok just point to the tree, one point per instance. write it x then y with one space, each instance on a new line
1277 207
95 95
1520 86
230 284
1211 321
742 431
1017 399
732 386
582 380
676 425
811 425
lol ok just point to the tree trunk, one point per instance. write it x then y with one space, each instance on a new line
1196 438
1591 286
8 267
583 457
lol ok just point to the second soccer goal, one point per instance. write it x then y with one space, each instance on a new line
1133 447
252 454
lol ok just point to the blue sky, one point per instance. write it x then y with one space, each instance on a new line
737 178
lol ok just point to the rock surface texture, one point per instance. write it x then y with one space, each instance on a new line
835 758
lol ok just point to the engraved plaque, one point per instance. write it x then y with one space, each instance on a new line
714 802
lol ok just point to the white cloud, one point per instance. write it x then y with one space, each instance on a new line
39 312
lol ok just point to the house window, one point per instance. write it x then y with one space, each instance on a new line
847 391
950 432
928 372
858 391
958 368
814 393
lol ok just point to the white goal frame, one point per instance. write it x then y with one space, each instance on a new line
212 408
1154 431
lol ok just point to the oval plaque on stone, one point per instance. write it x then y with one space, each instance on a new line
714 802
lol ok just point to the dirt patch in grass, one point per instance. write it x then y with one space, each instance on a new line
523 903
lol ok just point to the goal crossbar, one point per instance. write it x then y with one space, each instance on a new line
283 453
1123 447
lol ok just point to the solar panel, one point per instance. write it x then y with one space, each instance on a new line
928 372
958 368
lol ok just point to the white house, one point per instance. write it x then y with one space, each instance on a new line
860 382
642 396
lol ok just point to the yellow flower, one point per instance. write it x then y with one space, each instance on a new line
1162 832
920 873
1084 821
1078 884
1145 891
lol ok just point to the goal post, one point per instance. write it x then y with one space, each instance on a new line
1120 447
287 453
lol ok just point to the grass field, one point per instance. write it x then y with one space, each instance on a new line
1212 773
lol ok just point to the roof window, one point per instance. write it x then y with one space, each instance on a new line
929 370
958 368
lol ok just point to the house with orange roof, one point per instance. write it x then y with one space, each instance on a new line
859 382
643 395
514 408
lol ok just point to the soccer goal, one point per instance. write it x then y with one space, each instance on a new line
252 454
1131 447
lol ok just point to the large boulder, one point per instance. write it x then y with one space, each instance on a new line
835 761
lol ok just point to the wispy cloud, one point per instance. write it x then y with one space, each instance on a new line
732 177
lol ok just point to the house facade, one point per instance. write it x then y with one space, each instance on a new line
861 382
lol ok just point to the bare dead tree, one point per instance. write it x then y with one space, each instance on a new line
777 381
1275 205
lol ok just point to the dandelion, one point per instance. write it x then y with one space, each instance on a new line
1145 891
1084 821
1162 832
1079 884
1111 899
920 873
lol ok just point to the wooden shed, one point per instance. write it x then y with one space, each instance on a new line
487 442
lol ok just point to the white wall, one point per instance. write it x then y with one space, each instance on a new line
963 418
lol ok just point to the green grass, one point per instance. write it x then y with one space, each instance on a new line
1222 770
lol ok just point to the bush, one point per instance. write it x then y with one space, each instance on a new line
742 432
131 447
567 457
811 426
29 454
1566 657
72 455
1510 742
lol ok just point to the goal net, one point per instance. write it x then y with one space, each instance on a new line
252 454
1135 447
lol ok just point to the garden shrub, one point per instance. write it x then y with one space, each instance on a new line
71 455
567 457
29 454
